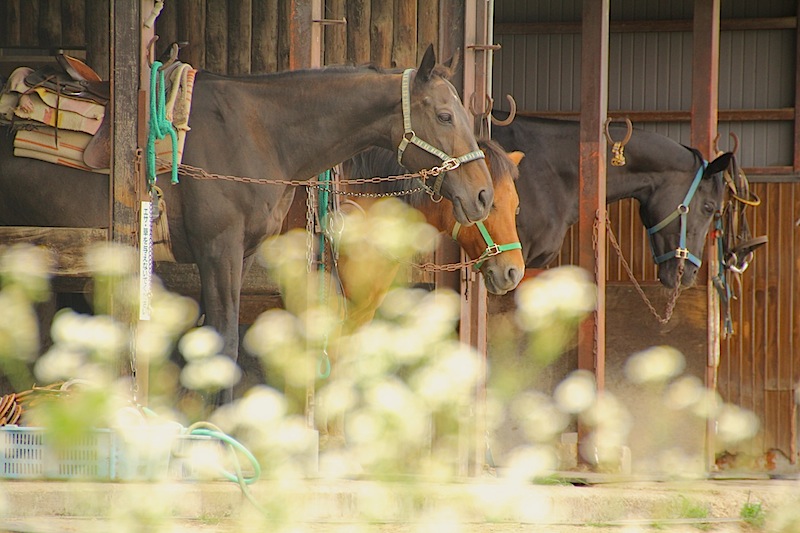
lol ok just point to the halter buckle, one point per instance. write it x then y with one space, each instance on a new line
409 135
682 253
450 164
683 209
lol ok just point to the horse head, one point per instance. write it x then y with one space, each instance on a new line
495 240
437 132
678 218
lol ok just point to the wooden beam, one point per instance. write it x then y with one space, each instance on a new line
724 115
644 26
299 34
705 82
67 246
592 217
265 37
381 33
216 36
796 149
240 30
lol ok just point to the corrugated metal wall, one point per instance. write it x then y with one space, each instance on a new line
650 73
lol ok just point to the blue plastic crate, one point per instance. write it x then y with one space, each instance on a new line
27 453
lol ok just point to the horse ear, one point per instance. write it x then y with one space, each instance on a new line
516 157
455 59
426 65
719 164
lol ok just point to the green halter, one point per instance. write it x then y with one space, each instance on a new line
409 137
492 249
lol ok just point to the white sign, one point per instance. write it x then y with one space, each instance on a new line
145 260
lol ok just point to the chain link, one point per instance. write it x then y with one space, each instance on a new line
670 308
313 184
424 174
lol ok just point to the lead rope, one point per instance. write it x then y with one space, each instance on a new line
324 362
675 293
159 125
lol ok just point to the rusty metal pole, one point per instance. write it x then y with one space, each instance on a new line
593 150
705 103
478 20
305 51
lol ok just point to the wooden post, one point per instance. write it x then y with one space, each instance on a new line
705 81
240 29
265 37
97 34
216 36
592 218
474 312
796 150
125 56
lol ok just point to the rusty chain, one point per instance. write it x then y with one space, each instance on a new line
424 174
202 174
670 308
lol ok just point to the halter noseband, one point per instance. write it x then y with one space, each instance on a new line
681 252
492 249
409 137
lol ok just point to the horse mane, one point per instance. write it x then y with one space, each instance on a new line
374 162
501 164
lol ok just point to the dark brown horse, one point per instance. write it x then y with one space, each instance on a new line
288 126
678 192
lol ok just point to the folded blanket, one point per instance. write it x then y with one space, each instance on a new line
70 144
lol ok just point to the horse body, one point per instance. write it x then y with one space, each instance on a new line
287 126
658 174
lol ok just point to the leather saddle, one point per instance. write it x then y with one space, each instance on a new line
71 79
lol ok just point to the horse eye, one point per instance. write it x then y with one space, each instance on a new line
709 208
445 118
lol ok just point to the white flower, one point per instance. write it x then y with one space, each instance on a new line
200 343
656 364
211 373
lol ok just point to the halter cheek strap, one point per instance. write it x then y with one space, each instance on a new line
492 249
682 211
409 137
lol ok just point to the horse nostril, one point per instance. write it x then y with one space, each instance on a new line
513 274
485 198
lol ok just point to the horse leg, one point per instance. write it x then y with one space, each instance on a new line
220 287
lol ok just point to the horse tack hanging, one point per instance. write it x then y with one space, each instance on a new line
618 147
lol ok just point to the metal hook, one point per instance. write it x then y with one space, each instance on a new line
618 147
735 143
487 108
511 115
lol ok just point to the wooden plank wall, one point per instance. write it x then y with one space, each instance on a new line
250 36
235 37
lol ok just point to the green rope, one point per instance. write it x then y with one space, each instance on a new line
159 126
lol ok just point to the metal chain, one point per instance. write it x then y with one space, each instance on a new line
675 293
424 174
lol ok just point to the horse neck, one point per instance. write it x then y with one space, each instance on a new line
438 214
663 161
329 116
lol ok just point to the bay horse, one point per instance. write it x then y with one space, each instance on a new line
280 126
493 244
678 192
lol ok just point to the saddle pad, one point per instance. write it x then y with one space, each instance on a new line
41 112
70 144
65 103
52 158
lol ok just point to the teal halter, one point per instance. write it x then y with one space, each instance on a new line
492 249
681 252
409 137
